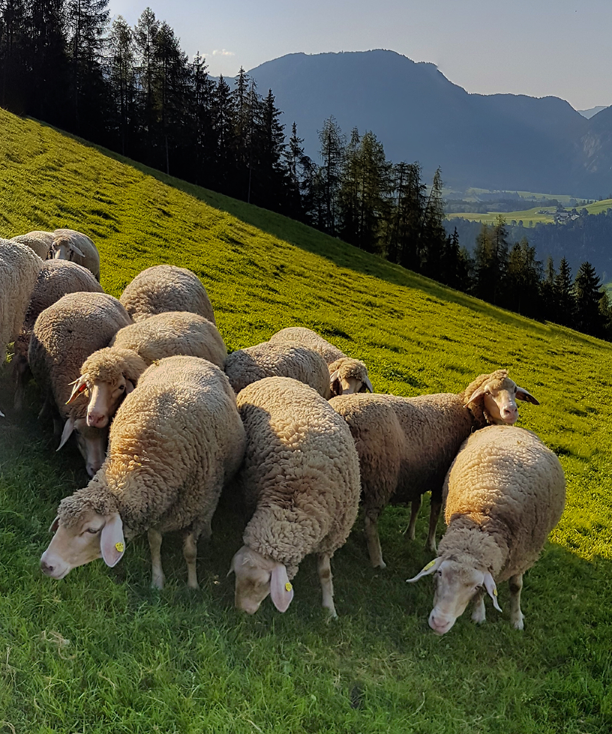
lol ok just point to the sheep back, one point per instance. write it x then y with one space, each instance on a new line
301 471
173 333
176 439
249 365
308 338
508 482
166 288
38 240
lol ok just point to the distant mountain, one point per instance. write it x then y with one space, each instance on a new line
499 141
592 111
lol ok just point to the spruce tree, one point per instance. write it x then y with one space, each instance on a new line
433 234
122 84
588 295
491 260
330 173
406 216
564 295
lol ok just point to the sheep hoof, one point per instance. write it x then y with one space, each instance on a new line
519 623
479 616
195 586
157 583
380 564
330 615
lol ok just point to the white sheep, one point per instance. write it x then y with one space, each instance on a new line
112 373
175 441
69 244
166 288
55 279
64 335
19 267
301 471
346 375
406 445
38 240
504 493
246 366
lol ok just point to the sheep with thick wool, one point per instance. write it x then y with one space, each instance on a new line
19 268
301 472
38 240
251 364
68 244
504 493
112 373
64 335
166 288
175 441
346 375
55 279
406 445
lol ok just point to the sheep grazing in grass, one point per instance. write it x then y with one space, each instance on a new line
38 240
76 247
55 279
406 445
174 442
301 472
112 373
346 375
64 335
504 493
166 288
246 366
19 268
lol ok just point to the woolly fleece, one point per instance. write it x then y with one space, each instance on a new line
301 470
38 240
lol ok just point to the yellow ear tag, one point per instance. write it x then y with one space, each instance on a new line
430 564
288 586
495 592
120 547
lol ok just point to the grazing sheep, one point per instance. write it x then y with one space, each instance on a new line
55 279
19 266
246 366
112 373
166 288
504 493
64 335
301 471
406 445
174 442
38 240
76 247
346 375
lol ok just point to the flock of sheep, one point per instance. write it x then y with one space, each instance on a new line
166 421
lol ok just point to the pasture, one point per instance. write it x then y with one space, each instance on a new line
530 217
101 652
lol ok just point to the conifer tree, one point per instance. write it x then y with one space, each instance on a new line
433 235
330 173
588 295
564 295
406 216
349 193
122 83
13 60
491 259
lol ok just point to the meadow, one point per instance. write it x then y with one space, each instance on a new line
530 217
102 652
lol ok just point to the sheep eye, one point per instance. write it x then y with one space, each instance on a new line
122 387
93 531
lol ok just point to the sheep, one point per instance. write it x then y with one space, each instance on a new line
346 375
282 360
166 288
76 247
19 267
406 445
504 493
64 335
175 441
38 240
55 279
301 470
111 373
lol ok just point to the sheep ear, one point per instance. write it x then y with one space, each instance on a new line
334 383
480 393
232 568
112 542
491 590
77 250
54 525
79 386
426 570
129 386
67 432
368 384
522 394
281 589
2 414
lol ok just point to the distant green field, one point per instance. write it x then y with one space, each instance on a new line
529 217
100 652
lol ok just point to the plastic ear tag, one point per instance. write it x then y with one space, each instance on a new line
429 565
119 547
288 586
495 591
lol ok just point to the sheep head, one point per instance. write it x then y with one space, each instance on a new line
258 576
64 249
348 376
494 397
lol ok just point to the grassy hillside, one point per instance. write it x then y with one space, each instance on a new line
101 652
529 217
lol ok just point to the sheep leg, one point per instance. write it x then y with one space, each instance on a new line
516 616
416 506
190 553
434 514
155 541
479 613
371 529
327 586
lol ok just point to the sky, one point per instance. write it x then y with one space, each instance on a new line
535 47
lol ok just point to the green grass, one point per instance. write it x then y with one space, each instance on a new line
101 652
530 217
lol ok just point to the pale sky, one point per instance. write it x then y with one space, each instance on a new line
534 47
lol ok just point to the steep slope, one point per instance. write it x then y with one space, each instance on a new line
99 651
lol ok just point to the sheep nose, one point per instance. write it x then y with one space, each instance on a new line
91 469
46 568
509 413
96 420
